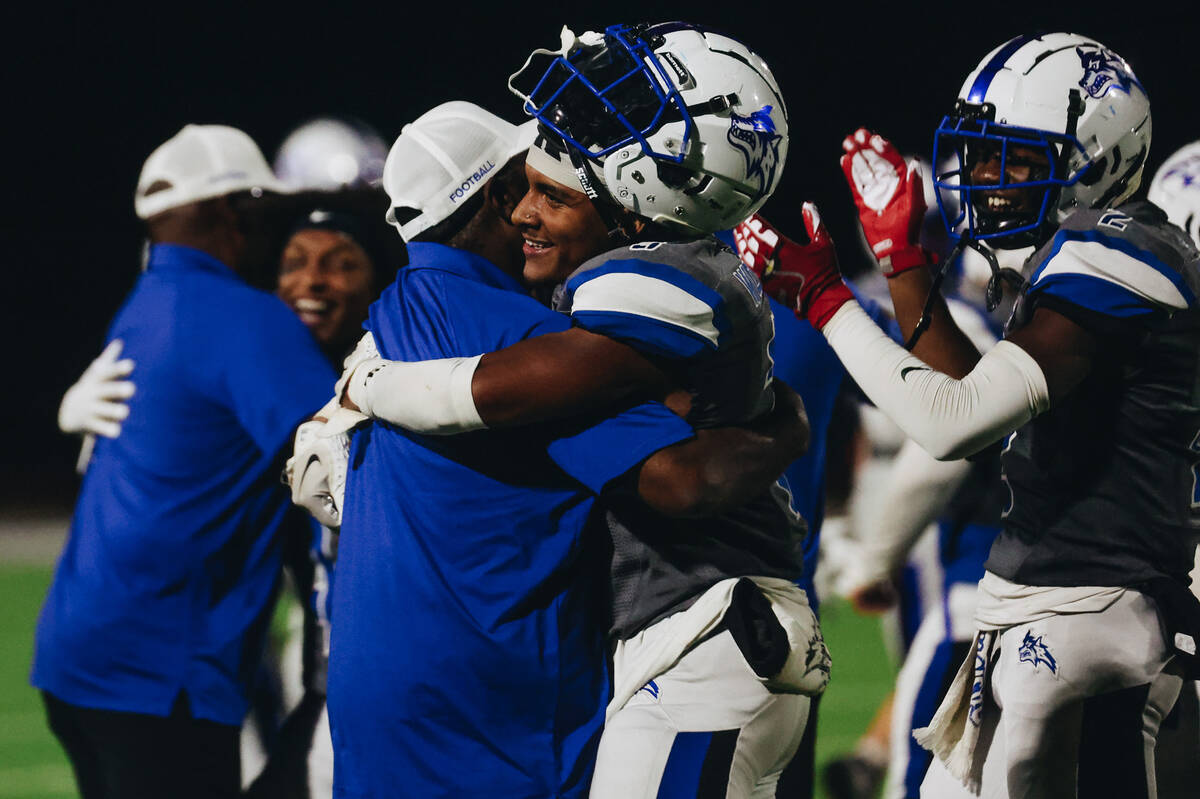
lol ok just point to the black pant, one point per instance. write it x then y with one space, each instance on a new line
286 774
119 755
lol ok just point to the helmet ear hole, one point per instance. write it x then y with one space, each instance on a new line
1092 175
674 175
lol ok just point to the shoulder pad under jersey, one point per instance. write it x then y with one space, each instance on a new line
673 299
1121 262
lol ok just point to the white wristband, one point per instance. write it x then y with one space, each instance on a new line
431 397
949 418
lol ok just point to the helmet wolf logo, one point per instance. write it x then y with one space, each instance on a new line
1102 70
757 140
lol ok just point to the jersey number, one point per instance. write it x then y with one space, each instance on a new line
1115 220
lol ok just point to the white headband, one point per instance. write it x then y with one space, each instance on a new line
559 169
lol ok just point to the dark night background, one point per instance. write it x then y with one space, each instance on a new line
91 91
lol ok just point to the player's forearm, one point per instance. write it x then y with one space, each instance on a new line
540 379
559 375
943 345
949 418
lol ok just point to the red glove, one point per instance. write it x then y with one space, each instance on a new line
890 199
801 276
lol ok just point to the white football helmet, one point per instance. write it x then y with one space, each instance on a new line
1176 189
1066 97
328 154
681 125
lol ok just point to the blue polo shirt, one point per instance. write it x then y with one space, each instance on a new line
467 656
171 562
809 366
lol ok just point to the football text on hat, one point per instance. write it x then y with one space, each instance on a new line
443 158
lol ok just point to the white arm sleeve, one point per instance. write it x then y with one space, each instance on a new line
431 397
949 418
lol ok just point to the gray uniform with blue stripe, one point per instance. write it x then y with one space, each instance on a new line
694 309
1105 488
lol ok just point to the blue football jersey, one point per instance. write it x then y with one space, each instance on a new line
1105 487
696 310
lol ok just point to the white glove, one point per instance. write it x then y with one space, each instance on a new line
365 350
96 403
317 470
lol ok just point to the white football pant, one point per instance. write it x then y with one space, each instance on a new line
1080 700
704 728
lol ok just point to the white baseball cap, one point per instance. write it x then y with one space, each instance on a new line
443 157
198 163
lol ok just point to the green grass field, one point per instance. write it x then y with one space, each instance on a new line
31 763
32 766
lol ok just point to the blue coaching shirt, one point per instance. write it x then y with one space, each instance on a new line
808 365
467 657
172 559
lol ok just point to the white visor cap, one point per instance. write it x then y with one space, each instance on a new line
443 157
198 163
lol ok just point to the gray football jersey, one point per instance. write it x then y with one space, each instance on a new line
699 313
1105 487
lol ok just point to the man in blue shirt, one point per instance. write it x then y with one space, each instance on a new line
155 620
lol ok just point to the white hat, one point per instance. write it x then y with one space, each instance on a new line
198 163
444 157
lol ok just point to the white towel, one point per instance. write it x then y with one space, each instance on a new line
656 649
953 732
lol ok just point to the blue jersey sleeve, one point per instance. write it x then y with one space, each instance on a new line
615 445
275 375
1109 275
657 308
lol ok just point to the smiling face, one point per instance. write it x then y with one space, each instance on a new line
1012 206
326 278
561 227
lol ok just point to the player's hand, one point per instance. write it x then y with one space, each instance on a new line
875 597
316 471
97 404
789 406
802 275
891 200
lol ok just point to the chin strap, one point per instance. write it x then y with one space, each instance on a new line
598 193
934 291
993 294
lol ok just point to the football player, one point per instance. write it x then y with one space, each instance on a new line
331 154
1176 189
877 562
1096 377
922 534
621 206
